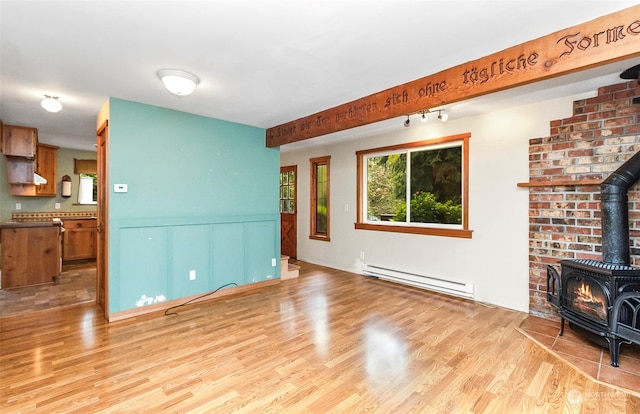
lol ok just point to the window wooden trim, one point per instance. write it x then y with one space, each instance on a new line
463 232
313 163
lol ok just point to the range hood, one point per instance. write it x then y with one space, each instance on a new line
38 179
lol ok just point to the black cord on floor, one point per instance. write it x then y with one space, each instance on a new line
194 299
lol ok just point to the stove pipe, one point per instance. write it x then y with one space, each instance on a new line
615 211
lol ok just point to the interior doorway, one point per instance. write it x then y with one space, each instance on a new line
288 211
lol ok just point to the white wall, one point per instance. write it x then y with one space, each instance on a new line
495 259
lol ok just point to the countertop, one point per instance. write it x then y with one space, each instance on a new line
26 224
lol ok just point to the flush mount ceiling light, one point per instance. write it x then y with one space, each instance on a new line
51 104
178 82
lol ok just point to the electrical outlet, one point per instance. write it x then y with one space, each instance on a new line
18 206
192 275
273 262
361 255
57 206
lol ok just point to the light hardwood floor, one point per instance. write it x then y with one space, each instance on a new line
328 341
76 284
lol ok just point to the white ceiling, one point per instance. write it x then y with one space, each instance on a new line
261 62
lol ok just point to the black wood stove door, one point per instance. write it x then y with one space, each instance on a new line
586 296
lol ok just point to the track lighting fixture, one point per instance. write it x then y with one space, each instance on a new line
442 116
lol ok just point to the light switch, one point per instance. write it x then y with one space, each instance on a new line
119 188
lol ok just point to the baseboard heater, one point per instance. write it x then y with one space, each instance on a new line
426 282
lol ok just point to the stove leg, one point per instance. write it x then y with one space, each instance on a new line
561 326
614 351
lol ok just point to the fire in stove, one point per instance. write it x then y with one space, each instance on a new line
589 303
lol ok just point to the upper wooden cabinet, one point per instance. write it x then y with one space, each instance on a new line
25 156
20 170
19 141
46 167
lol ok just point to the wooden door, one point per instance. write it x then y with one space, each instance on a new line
102 274
288 211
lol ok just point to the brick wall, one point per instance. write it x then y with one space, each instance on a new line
564 216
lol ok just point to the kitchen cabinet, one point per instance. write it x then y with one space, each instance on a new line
46 167
25 156
20 170
30 253
79 239
19 141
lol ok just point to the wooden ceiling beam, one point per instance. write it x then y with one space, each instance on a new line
601 41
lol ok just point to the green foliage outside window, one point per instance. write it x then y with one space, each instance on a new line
426 209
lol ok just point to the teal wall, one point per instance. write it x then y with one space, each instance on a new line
46 204
202 195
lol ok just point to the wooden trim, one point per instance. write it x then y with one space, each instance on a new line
601 41
415 144
429 231
102 214
560 183
48 146
465 185
319 237
161 307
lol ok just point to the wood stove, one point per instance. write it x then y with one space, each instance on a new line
586 295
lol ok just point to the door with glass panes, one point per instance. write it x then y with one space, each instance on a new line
288 215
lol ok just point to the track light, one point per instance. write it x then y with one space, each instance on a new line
442 116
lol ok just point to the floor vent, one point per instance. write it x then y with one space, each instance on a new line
465 290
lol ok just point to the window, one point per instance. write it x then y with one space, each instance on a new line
88 192
287 192
88 186
320 198
419 187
